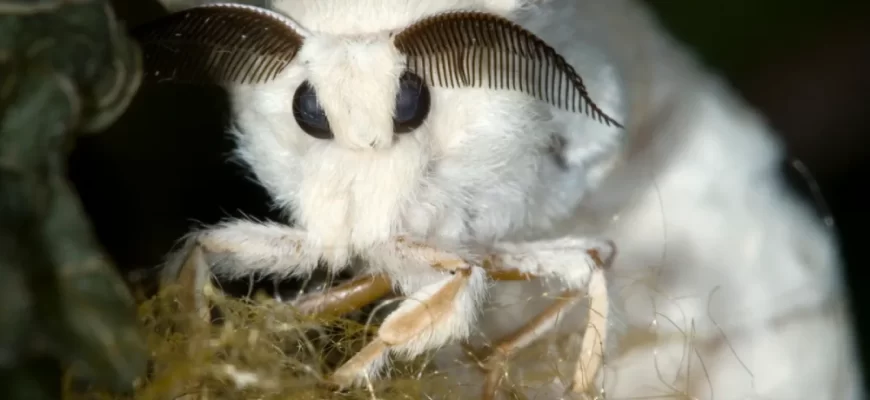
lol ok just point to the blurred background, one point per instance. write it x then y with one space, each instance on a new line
803 64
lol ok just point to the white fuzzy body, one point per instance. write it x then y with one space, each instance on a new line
717 262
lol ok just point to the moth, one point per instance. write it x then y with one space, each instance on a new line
454 144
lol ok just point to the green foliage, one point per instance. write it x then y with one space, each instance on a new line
65 67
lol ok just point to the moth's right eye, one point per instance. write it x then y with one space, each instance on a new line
308 113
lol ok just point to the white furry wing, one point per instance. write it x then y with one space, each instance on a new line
725 286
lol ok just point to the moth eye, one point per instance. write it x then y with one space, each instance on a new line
309 114
412 103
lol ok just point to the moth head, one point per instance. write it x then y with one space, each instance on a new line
356 92
359 91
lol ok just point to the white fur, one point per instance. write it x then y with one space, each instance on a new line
736 283
565 260
716 259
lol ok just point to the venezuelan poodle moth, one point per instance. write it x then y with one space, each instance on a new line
501 152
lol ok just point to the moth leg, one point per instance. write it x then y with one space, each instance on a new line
592 348
426 320
522 337
554 259
346 297
431 316
237 249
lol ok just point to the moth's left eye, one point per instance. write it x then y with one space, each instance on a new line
412 103
309 114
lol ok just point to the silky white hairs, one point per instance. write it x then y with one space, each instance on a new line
724 287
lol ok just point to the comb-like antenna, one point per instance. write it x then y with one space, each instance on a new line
218 44
476 49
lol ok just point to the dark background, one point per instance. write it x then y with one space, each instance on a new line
803 64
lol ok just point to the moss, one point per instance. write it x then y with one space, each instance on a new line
258 349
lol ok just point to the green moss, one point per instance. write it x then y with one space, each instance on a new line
259 349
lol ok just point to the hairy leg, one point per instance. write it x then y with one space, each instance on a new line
441 308
236 249
568 261
241 248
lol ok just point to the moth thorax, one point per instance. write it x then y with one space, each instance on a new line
356 198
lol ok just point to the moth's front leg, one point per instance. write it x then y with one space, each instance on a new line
238 249
445 293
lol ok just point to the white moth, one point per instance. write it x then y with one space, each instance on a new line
456 143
